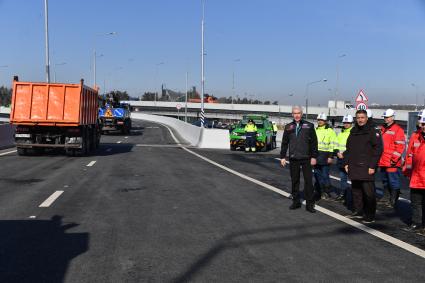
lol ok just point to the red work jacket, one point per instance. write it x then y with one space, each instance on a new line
415 161
394 144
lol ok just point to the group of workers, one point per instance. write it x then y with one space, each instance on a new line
362 150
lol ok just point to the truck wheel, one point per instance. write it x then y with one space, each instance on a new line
22 151
232 147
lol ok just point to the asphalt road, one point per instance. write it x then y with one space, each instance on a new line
146 210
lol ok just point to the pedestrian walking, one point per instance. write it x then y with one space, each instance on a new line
300 137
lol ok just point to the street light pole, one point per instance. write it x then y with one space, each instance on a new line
233 78
46 32
185 106
202 65
306 95
337 77
94 56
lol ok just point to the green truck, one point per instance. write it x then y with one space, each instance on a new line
264 133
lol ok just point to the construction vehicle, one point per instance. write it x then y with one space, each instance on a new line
115 116
55 115
264 140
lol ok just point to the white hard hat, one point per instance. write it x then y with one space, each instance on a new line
421 113
347 119
388 113
273 122
322 116
422 119
369 113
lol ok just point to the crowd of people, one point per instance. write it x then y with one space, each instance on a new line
362 150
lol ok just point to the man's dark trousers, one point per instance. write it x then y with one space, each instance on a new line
364 199
295 169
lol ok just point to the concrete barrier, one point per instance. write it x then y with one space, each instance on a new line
195 136
6 135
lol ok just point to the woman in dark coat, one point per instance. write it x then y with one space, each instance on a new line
364 148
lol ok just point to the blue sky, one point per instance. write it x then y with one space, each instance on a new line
282 45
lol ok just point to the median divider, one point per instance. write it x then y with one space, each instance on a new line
195 136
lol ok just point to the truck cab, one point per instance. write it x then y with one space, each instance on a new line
115 117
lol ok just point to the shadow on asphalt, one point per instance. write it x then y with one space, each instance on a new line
135 131
256 237
115 149
38 250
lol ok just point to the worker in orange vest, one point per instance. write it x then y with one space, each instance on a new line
394 142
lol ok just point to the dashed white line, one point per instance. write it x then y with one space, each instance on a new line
51 199
410 248
119 141
126 137
8 152
91 163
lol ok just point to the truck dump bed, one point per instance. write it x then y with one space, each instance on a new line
53 104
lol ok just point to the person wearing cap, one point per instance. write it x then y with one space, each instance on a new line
364 149
414 169
340 148
251 136
274 134
325 144
420 115
394 143
299 136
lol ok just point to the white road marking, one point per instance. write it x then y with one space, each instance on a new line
410 248
152 128
51 199
159 145
91 163
8 152
119 141
32 217
126 137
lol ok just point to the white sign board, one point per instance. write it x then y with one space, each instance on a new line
361 106
361 96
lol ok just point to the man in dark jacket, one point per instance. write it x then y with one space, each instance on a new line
300 137
364 149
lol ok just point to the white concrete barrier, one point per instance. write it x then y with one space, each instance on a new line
6 135
195 136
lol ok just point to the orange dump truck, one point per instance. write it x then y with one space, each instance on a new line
55 115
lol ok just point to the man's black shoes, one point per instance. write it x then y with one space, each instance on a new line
310 208
295 205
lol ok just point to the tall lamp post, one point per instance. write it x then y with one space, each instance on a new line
233 78
416 93
337 76
46 37
202 65
95 56
156 75
306 94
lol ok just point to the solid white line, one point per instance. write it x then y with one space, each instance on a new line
51 199
371 231
119 141
8 152
91 163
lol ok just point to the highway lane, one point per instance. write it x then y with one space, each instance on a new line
148 211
